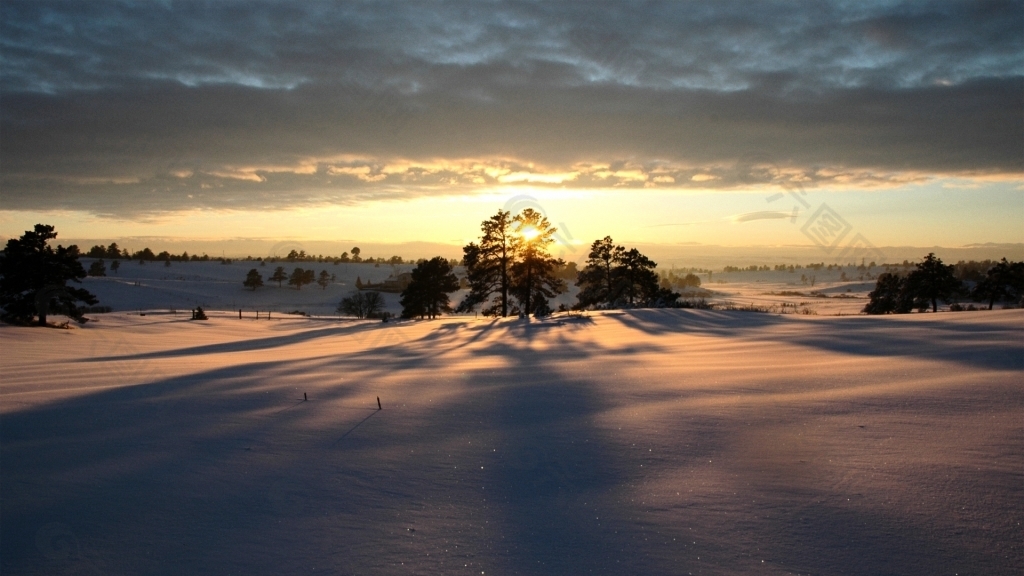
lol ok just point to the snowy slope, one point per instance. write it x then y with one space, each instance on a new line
645 442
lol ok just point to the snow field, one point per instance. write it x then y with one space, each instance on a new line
640 442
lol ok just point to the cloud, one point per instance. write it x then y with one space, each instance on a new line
133 108
763 215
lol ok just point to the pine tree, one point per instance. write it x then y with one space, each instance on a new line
427 293
615 276
889 296
279 276
33 278
932 281
98 268
115 265
253 279
534 278
597 279
635 279
324 280
1004 280
300 278
489 265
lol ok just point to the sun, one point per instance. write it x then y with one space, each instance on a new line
529 233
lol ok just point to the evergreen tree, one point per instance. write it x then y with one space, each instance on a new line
489 265
534 273
597 279
253 279
890 296
1004 280
427 293
635 279
932 281
98 268
300 278
324 279
33 278
115 265
279 276
614 276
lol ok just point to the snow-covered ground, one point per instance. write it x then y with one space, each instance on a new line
212 285
185 285
640 442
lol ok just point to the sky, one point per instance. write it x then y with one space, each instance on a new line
838 125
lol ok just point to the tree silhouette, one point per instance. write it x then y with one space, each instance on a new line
890 296
279 275
489 265
636 280
300 278
597 279
615 276
932 281
1004 280
355 254
324 279
253 279
362 304
427 292
533 278
33 278
115 265
98 268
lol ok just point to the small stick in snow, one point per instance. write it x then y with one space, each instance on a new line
304 398
379 407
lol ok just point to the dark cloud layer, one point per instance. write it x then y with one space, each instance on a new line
121 108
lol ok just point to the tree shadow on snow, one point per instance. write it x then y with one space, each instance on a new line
977 344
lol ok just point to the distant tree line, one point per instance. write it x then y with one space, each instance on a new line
931 282
508 271
115 252
298 278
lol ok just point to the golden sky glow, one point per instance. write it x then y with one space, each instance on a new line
732 125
